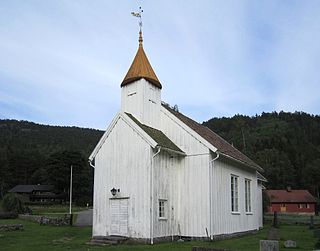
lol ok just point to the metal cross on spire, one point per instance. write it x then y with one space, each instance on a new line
139 15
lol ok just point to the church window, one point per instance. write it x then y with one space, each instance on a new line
162 209
247 185
234 194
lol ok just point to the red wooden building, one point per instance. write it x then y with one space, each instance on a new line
291 201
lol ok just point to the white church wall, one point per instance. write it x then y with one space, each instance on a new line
123 165
259 204
224 220
166 184
191 184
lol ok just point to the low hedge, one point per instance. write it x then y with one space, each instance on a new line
8 215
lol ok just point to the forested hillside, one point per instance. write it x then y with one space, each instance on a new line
39 154
286 145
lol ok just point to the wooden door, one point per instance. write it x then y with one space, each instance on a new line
119 217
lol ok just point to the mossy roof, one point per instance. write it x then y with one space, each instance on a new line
157 135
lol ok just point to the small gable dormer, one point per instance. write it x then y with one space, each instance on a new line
141 90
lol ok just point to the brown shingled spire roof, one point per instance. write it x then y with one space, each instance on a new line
141 68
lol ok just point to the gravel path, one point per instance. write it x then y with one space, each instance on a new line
84 218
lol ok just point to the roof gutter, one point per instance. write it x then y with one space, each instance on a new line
151 194
173 151
211 166
243 163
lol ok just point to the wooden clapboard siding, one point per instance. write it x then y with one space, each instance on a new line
121 164
224 221
143 101
259 204
190 181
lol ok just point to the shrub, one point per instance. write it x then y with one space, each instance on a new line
8 215
12 203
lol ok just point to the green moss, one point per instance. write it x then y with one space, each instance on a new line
158 136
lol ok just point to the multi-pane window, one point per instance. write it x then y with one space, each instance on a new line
234 194
304 206
247 195
162 208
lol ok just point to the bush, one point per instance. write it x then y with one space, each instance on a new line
12 203
8 215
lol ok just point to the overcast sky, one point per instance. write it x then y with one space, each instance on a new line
62 61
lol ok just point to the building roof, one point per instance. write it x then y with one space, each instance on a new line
141 68
31 188
291 196
157 135
222 145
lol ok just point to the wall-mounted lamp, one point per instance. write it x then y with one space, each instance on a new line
114 191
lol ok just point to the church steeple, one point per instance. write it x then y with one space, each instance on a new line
141 68
141 89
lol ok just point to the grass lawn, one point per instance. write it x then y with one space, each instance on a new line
47 238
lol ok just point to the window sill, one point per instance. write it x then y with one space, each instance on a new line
249 213
235 213
162 219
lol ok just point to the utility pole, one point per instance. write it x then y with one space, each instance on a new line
70 202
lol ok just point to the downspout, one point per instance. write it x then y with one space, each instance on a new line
90 163
151 194
211 166
93 200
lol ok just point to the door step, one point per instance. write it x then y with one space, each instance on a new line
107 240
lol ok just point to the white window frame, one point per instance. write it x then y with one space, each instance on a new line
234 181
247 195
162 209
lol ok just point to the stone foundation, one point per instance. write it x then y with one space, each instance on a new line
176 238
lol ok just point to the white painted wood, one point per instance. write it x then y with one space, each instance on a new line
142 100
133 125
224 221
166 116
259 203
125 166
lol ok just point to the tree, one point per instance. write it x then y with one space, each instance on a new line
58 169
311 177
13 203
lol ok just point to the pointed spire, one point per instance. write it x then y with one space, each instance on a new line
141 68
140 38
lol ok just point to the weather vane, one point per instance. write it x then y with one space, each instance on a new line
138 14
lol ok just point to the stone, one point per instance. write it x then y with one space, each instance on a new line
273 234
207 249
311 222
269 245
275 219
316 233
11 227
290 244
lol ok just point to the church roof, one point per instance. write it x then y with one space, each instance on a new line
158 136
214 139
141 68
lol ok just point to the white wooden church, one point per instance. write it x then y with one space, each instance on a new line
160 175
